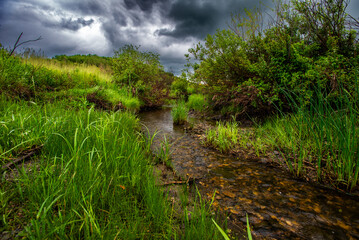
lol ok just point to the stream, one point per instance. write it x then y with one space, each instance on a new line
278 205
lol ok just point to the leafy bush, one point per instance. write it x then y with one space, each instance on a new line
251 67
143 74
179 86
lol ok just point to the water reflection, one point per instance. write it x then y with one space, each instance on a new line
278 205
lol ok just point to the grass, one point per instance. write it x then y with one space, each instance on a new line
164 153
197 102
40 79
321 135
84 71
224 136
179 113
93 179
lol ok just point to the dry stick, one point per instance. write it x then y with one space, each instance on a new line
16 45
23 158
188 181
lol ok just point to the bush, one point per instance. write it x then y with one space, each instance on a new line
179 86
252 67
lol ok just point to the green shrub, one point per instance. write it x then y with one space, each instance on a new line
251 67
179 86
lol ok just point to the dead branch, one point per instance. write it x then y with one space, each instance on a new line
16 45
188 181
33 152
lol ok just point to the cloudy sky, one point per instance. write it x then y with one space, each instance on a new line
168 27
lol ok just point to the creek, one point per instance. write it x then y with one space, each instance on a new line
278 205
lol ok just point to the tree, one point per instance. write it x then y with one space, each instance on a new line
325 22
142 73
309 47
131 65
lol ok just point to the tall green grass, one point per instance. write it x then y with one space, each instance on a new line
323 135
224 136
179 112
79 71
93 179
196 102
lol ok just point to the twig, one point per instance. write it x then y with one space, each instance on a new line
23 158
16 45
188 181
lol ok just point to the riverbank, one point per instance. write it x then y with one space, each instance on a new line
254 140
279 206
91 178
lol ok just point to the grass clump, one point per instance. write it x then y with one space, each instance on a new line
117 96
322 136
224 136
197 102
179 113
94 178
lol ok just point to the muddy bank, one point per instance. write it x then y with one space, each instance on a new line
278 205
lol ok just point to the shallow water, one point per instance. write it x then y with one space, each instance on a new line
278 206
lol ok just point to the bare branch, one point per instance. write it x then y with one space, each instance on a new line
16 45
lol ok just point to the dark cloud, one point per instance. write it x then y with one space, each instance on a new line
144 5
191 18
199 18
88 7
168 27
75 25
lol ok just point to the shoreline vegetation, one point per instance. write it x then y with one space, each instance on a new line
88 170
296 79
92 173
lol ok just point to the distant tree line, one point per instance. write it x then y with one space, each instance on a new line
90 59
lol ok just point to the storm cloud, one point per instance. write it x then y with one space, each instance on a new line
168 27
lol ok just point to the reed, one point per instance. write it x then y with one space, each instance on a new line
322 134
179 113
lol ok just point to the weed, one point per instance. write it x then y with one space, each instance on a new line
224 137
197 102
179 113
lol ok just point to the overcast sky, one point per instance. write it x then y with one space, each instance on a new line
168 27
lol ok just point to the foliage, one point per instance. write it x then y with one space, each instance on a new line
92 179
321 136
90 59
248 66
143 73
179 86
179 112
197 102
224 137
47 79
